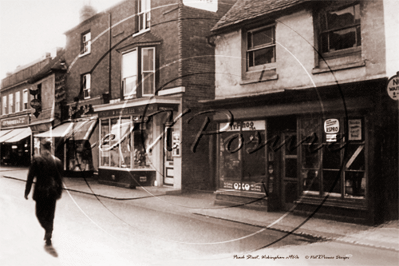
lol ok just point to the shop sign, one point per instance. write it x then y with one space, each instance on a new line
143 179
393 87
331 138
242 186
243 126
355 129
23 120
331 126
138 111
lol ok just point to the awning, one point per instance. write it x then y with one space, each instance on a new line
17 134
57 132
3 132
80 130
4 135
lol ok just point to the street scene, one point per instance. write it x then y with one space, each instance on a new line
199 132
101 225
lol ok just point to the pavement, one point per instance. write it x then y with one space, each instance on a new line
384 236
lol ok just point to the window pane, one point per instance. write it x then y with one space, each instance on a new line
355 184
230 163
311 180
115 137
148 59
357 14
342 39
140 140
264 36
130 86
126 142
129 64
254 164
331 159
148 83
329 177
105 143
340 18
263 56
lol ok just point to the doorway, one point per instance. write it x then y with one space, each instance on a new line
289 172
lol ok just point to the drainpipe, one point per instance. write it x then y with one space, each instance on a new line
109 49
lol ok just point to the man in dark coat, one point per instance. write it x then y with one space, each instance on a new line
48 188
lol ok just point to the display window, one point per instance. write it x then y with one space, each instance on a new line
123 143
241 164
333 162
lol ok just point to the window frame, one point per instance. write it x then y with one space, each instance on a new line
260 47
123 77
321 31
85 44
143 15
142 71
17 101
86 86
5 105
25 92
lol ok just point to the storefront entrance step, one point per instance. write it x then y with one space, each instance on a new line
117 184
256 201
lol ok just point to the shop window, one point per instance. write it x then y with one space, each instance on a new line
85 44
261 47
17 101
86 84
242 163
143 20
123 143
25 100
4 105
340 28
333 164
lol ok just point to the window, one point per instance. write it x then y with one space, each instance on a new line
143 14
86 82
123 143
132 72
10 103
261 47
4 105
340 28
86 43
129 74
148 70
17 101
25 100
322 161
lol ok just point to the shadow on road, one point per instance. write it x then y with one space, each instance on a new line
51 250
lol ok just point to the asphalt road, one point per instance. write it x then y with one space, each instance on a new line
91 231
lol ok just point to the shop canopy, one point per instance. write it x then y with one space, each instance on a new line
16 135
4 134
80 130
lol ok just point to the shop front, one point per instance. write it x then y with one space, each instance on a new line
15 141
132 140
288 152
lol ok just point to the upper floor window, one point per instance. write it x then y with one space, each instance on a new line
340 28
25 100
261 47
4 105
85 43
143 14
10 103
138 76
17 101
86 84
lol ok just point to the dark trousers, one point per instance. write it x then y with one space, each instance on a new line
45 209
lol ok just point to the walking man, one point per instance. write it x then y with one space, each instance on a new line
48 188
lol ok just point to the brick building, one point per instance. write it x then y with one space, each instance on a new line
314 126
129 67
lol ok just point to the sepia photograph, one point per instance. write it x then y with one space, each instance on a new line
199 132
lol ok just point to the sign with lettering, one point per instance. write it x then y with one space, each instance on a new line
209 5
331 126
355 129
243 126
16 121
393 87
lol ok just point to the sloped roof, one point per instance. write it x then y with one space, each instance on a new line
249 9
56 64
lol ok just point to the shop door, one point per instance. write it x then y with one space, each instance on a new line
168 176
289 170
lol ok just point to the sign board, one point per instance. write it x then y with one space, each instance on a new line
355 129
243 125
393 87
209 5
331 126
17 121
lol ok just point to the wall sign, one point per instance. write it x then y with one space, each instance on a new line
243 125
331 126
393 87
18 121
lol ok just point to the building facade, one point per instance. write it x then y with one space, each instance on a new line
313 126
135 68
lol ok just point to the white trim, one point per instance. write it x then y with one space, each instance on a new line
172 91
125 169
136 102
140 32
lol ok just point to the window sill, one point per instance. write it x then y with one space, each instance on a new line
318 70
82 55
347 203
141 32
259 76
